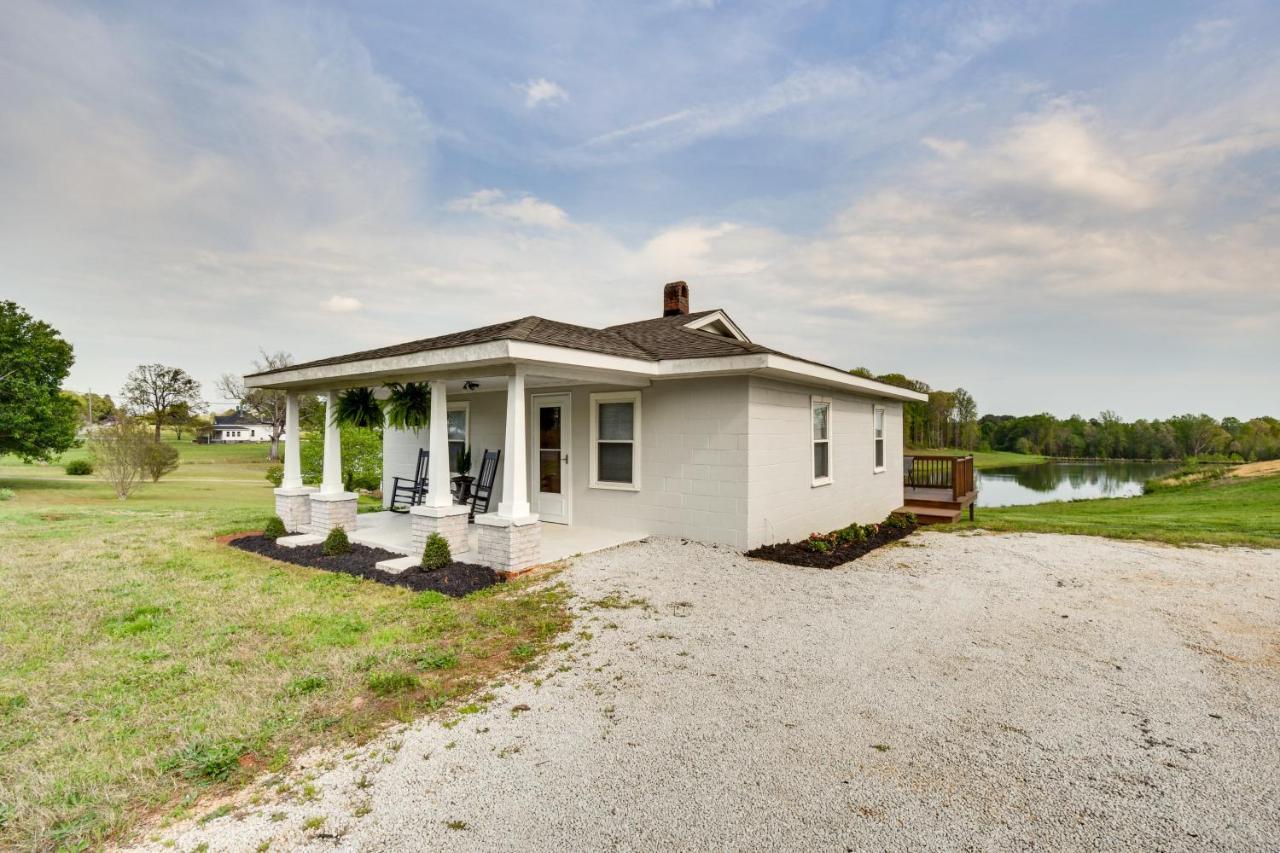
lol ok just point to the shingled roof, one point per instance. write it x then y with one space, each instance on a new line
649 340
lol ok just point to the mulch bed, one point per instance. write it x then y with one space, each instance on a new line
799 554
455 579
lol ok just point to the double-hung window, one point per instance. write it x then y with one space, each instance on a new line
821 439
615 440
878 437
458 417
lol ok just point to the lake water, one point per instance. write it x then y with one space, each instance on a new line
1064 481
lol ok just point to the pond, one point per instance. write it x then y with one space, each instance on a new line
1016 485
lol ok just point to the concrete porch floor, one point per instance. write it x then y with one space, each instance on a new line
392 532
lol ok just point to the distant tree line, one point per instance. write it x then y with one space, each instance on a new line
1109 437
948 419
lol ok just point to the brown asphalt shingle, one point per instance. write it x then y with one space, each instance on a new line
650 340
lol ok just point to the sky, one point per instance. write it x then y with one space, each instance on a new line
1059 206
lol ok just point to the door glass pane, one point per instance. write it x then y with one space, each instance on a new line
549 472
614 462
458 425
549 427
616 421
821 466
820 420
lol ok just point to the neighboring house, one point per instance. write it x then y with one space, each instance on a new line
679 425
238 428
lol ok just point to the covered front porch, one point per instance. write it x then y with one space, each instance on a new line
393 531
522 411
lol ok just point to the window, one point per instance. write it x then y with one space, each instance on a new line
459 424
878 437
615 446
821 440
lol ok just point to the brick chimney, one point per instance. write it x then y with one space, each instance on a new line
675 299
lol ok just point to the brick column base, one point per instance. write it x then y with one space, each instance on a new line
509 546
337 509
449 521
294 508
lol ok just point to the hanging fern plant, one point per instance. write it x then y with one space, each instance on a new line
409 405
358 407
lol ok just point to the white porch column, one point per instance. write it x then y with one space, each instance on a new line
331 484
332 506
438 514
515 468
292 443
293 500
438 494
510 540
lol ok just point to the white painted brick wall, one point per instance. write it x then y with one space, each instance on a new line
510 548
783 502
452 527
295 512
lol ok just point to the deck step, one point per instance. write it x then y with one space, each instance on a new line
932 514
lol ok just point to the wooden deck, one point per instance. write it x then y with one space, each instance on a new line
938 489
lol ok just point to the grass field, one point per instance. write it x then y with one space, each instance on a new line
1226 511
143 664
985 458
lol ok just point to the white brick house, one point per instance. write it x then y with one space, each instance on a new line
675 426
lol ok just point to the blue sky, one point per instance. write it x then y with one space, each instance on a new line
1059 206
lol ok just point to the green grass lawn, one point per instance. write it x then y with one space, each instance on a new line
1222 512
143 664
985 458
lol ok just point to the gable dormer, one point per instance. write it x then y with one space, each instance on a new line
718 323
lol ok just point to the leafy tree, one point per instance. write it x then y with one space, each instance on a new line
1198 434
155 389
37 421
268 405
119 453
159 459
182 418
361 459
92 408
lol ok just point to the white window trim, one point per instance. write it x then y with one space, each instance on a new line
466 409
878 410
615 397
814 402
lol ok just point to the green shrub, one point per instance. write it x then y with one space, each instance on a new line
336 543
850 535
818 544
435 555
7 494
275 475
389 683
159 459
274 528
361 459
79 467
901 520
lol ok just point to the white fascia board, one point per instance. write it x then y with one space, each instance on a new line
831 377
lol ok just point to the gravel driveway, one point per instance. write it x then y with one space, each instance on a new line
955 691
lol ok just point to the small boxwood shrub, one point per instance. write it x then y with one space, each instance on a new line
336 543
274 528
275 475
79 467
435 555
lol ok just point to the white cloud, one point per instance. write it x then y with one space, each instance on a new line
540 91
339 304
522 209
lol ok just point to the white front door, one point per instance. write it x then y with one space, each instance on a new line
549 441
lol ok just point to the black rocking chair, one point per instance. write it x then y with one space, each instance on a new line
483 489
406 493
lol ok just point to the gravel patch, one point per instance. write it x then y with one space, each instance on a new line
1002 692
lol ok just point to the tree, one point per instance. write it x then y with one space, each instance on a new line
264 404
37 421
156 389
181 418
159 459
1198 434
92 408
966 413
119 454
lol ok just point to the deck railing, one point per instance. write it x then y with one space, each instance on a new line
939 472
